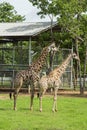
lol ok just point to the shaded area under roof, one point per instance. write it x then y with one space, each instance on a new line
14 31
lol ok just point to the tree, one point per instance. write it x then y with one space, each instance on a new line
69 14
84 28
70 20
46 8
9 14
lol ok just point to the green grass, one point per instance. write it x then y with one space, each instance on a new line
71 115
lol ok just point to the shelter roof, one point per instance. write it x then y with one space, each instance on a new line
23 29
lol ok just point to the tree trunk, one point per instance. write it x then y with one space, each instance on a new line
74 79
79 68
50 63
51 31
85 63
51 54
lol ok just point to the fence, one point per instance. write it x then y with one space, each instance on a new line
11 61
14 59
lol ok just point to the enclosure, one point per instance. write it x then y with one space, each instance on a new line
17 59
14 56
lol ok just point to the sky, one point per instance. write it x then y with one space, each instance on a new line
24 7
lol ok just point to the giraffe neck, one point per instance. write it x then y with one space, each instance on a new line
61 69
38 64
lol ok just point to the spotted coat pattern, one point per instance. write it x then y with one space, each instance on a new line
53 80
31 74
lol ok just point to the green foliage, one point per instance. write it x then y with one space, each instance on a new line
9 14
71 114
46 7
72 19
69 14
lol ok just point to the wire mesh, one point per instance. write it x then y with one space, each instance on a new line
14 59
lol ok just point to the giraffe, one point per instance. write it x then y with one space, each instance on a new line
31 74
53 80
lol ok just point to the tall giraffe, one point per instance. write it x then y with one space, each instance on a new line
53 80
31 74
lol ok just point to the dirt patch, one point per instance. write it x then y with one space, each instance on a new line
4 97
72 93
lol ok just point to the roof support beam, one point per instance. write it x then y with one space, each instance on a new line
29 45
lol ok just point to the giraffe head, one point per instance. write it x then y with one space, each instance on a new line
74 55
52 47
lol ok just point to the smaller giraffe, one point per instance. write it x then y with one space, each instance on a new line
52 80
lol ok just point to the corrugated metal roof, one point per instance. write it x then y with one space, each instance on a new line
24 29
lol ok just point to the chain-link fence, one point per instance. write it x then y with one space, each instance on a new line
11 61
14 59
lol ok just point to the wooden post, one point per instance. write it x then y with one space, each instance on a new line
29 45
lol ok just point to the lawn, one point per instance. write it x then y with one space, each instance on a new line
71 115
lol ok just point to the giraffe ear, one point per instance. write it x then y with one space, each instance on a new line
75 56
53 44
52 47
49 49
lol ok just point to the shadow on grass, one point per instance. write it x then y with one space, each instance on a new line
47 129
24 109
5 109
54 129
28 109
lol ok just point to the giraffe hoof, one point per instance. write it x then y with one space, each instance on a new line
53 110
31 109
56 110
40 110
15 109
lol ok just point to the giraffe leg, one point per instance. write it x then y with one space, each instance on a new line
56 105
40 101
40 98
10 95
15 98
17 91
32 96
55 101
